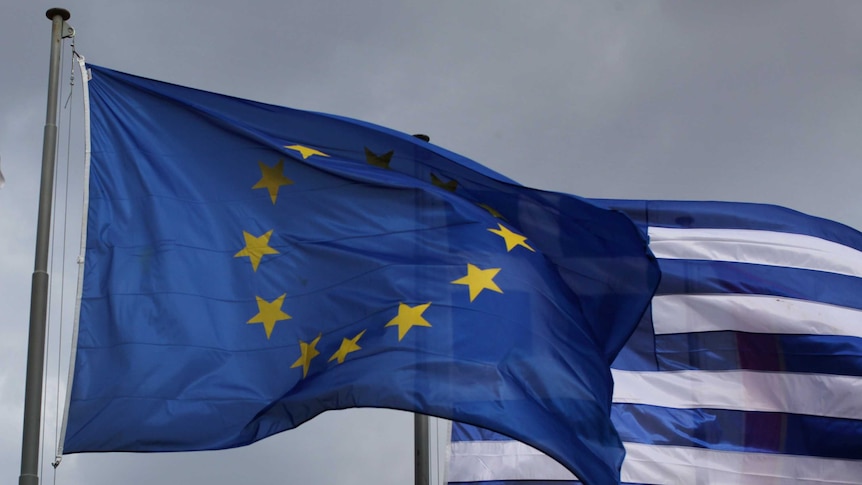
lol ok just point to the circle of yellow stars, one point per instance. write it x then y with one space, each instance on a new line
270 312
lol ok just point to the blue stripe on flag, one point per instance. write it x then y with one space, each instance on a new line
680 276
718 351
728 430
733 215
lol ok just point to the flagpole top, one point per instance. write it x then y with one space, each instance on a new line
62 12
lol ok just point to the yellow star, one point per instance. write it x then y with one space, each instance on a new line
381 161
409 317
306 353
268 313
512 239
478 280
305 151
272 178
450 185
492 211
255 248
347 346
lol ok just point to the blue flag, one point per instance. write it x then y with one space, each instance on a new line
748 367
250 266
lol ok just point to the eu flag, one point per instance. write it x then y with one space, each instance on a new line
249 266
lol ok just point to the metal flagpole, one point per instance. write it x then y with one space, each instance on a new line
39 290
421 459
422 470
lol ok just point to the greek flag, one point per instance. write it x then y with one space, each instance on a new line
747 369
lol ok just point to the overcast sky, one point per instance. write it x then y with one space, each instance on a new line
740 101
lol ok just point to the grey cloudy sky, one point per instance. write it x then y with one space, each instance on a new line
743 101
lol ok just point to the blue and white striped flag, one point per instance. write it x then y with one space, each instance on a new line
746 370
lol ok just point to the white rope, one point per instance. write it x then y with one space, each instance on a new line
86 101
50 296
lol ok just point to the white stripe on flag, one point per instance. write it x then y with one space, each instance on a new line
758 247
476 461
682 465
817 394
752 313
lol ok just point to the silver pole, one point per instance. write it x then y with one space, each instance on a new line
422 469
421 458
39 290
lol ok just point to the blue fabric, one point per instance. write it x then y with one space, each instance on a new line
222 305
680 276
690 214
726 350
814 352
817 353
731 430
